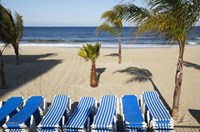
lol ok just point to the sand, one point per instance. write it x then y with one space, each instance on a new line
49 71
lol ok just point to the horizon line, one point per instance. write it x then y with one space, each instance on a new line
83 26
71 26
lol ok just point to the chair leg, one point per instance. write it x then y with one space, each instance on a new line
33 127
88 124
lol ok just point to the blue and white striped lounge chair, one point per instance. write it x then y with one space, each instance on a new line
11 107
158 116
133 120
28 117
80 119
105 119
56 115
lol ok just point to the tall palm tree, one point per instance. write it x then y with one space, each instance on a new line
113 25
2 73
12 30
91 52
172 19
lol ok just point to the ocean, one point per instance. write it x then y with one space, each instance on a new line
77 36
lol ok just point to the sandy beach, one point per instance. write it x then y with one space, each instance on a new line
49 71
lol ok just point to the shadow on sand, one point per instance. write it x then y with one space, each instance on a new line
195 114
31 66
99 71
113 55
143 75
191 65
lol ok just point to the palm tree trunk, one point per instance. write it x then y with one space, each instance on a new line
178 81
16 49
93 78
2 75
120 47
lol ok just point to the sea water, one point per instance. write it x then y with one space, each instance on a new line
77 36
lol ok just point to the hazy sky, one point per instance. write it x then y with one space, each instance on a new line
62 12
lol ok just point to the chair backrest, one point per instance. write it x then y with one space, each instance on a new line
80 116
131 111
106 112
155 106
23 116
53 118
12 105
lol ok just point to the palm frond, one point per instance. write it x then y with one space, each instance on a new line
170 18
90 51
109 15
9 22
131 13
7 26
161 5
97 48
118 23
83 54
19 27
5 36
4 28
107 28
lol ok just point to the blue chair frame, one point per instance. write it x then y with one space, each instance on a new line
81 117
11 107
158 116
131 113
106 116
28 117
57 114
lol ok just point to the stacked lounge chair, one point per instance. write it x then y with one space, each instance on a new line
133 120
106 116
28 117
158 117
56 115
11 107
81 117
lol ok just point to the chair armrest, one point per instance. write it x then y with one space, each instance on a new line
7 118
63 120
1 103
45 106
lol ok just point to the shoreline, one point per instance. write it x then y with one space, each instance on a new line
48 71
109 46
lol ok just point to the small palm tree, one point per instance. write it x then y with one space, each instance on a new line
11 30
91 52
172 19
113 25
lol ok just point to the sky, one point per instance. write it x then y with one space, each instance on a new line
62 12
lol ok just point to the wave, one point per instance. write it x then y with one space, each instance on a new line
54 41
108 45
103 45
193 43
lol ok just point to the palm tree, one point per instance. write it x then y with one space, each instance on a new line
91 52
2 74
113 25
12 30
172 19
